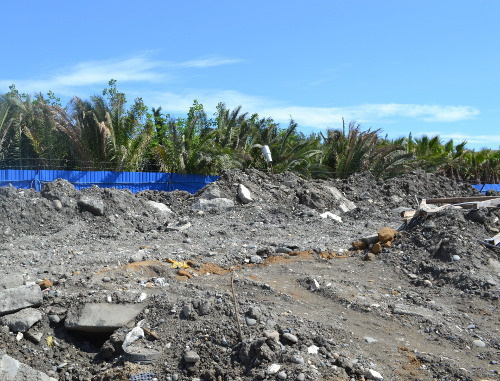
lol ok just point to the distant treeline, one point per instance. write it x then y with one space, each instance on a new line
106 133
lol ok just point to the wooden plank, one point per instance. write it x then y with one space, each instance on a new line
487 204
458 200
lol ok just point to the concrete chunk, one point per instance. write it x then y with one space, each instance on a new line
244 194
23 320
17 298
216 204
92 204
102 317
13 370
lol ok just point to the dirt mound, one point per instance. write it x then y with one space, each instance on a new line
253 277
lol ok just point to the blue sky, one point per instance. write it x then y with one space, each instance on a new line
426 67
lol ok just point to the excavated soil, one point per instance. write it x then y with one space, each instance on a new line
266 289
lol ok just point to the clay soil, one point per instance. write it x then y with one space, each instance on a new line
233 284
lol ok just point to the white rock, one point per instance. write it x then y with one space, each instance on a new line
273 369
160 207
141 297
479 343
373 375
313 349
331 216
315 285
244 194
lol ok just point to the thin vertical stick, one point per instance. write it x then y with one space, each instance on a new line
236 307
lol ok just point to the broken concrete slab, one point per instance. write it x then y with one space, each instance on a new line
13 370
402 309
159 206
22 320
91 204
9 280
102 317
216 204
17 298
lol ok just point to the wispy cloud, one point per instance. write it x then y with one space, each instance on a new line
323 117
472 140
179 102
208 62
133 69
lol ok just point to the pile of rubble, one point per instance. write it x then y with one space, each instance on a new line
256 276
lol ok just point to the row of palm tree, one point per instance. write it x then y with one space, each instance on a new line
104 133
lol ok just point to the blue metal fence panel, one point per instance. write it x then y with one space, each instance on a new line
24 179
134 181
189 183
483 188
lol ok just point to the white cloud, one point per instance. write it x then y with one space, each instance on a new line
324 117
180 102
90 73
209 62
474 141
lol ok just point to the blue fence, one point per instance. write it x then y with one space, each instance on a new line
135 181
483 188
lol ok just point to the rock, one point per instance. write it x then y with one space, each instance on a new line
401 309
296 359
250 321
371 374
369 257
179 226
57 204
344 205
10 280
427 283
187 311
244 194
23 320
479 343
455 258
313 349
211 192
386 234
140 355
159 206
283 250
273 369
290 338
282 375
358 245
370 340
93 205
272 335
314 285
13 370
214 205
17 298
256 259
377 248
34 337
300 377
191 357
255 312
331 216
102 317
45 283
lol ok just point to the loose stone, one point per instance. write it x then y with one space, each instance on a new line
291 338
479 343
191 357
